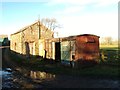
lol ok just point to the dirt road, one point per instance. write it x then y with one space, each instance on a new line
67 81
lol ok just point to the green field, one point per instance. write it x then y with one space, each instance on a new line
109 53
109 46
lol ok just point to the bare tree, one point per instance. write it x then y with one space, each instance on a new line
51 24
108 40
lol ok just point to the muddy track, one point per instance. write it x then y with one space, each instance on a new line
18 73
6 60
61 81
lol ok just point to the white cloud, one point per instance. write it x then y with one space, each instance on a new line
70 10
73 9
95 22
102 3
101 24
75 2
76 7
83 2
25 0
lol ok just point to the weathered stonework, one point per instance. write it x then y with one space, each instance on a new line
26 41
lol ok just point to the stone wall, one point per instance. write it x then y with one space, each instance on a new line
15 43
26 41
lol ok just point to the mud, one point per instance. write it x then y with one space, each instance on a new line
19 78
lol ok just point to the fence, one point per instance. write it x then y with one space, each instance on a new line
110 56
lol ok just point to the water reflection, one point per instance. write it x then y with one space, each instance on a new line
7 78
14 79
41 75
6 71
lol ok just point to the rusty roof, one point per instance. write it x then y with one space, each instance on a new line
88 35
74 37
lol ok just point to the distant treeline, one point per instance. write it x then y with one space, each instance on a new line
108 41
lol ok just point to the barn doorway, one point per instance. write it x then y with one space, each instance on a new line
57 51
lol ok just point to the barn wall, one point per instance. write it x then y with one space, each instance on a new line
42 47
26 35
36 47
48 46
49 49
26 41
15 43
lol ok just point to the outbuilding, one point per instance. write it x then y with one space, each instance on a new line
80 48
77 48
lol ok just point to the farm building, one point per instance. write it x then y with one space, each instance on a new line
4 41
26 41
36 39
80 48
50 47
73 48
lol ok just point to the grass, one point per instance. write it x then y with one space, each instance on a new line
112 53
109 46
108 68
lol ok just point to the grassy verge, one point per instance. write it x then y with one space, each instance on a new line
103 69
109 46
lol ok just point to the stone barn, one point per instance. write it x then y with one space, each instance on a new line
26 41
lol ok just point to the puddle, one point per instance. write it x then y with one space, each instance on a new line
41 75
13 79
6 71
7 78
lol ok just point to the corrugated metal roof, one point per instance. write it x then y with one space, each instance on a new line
88 35
72 38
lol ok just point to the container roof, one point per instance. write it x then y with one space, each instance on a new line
74 37
70 37
88 35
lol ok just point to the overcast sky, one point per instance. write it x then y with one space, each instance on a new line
99 17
